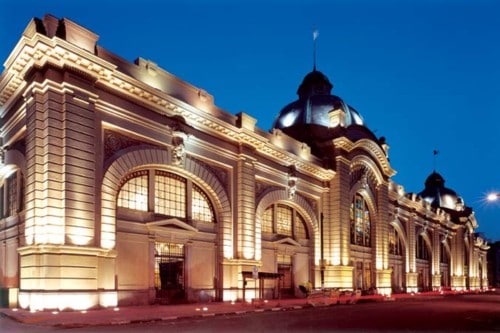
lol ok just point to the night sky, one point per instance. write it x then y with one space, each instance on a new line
423 74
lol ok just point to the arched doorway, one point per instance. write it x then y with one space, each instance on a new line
361 243
396 260
179 224
286 248
424 258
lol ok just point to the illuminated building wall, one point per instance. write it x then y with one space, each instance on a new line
122 184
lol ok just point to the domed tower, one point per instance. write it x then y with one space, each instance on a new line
442 197
318 115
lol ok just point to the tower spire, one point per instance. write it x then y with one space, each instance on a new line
315 36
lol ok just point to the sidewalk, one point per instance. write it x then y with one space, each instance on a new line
148 313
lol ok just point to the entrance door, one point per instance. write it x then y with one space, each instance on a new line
169 273
285 268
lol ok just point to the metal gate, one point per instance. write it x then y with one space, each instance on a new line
169 273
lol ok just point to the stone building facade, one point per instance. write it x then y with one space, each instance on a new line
122 184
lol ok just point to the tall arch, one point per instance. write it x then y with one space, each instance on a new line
299 203
132 160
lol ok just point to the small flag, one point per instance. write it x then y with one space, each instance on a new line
435 152
315 34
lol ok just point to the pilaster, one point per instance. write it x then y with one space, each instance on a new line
411 255
411 282
336 225
245 206
381 227
436 281
383 281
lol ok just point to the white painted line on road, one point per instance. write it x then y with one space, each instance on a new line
259 310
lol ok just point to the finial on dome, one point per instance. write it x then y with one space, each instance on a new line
315 36
435 152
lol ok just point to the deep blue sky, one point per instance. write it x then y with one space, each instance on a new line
424 74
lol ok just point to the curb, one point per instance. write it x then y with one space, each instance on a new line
172 318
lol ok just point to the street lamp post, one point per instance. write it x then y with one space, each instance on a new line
493 196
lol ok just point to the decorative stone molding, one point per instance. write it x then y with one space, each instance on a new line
292 181
179 150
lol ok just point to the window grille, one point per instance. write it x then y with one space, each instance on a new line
300 227
267 220
170 194
169 266
360 222
12 195
201 208
134 192
284 220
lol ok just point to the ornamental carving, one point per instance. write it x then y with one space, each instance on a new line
114 142
292 182
220 173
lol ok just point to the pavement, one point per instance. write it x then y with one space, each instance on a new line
150 313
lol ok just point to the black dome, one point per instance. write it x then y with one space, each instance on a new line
317 106
438 195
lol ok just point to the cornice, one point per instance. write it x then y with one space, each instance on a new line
41 50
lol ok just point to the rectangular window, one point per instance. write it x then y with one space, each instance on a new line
170 195
284 220
11 195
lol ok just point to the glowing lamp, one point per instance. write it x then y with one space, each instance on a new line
493 196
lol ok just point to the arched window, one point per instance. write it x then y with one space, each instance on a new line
284 221
395 242
443 254
360 222
422 249
168 195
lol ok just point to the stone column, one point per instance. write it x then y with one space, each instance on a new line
336 238
436 256
411 273
383 273
457 254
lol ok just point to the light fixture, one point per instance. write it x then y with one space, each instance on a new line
493 196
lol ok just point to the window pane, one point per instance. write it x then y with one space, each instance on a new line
284 222
134 192
12 194
201 208
360 222
170 194
267 220
300 227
